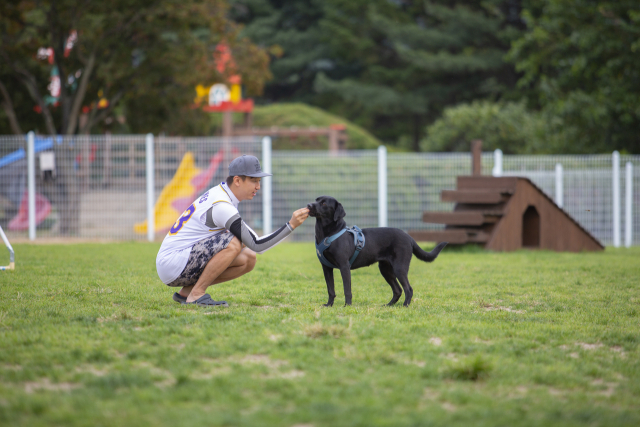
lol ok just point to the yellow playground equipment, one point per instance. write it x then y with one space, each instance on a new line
180 192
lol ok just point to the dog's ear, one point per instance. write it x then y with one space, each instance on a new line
339 213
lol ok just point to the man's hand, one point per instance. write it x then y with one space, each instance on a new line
298 217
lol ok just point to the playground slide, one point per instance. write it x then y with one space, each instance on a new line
188 182
21 221
16 172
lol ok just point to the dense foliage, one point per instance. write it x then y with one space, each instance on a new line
507 126
389 66
581 63
141 58
396 68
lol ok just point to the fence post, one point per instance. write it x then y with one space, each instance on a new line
616 199
559 185
267 212
497 162
151 220
382 186
476 157
31 184
628 212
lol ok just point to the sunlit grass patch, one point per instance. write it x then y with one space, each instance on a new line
90 336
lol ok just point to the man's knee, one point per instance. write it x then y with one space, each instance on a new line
251 260
234 245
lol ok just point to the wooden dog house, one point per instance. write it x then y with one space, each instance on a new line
505 214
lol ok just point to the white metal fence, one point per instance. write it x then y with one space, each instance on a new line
102 186
98 186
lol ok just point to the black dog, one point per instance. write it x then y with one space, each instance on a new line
391 248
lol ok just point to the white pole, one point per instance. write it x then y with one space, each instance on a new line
382 186
151 220
497 162
31 183
628 212
12 256
616 199
267 212
559 186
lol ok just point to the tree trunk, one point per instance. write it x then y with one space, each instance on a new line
9 111
79 97
417 132
68 196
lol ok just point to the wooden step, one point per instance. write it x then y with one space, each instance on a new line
487 183
475 197
478 236
459 218
453 236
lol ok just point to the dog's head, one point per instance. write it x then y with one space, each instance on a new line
327 208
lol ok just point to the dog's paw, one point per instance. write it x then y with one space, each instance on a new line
329 304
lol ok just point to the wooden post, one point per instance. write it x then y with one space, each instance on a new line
476 157
336 137
333 140
227 123
248 120
227 131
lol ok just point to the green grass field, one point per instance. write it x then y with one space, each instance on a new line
89 336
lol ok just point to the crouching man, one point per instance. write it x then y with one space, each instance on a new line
211 244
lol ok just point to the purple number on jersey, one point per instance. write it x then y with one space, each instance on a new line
186 215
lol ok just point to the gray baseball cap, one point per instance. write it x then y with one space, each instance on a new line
247 166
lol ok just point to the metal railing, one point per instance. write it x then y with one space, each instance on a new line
101 186
95 186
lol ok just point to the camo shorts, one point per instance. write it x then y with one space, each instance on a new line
201 254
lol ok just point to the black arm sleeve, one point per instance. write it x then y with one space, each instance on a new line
236 228
239 229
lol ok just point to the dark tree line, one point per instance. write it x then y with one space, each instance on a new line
394 67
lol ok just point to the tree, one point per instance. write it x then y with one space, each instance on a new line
123 49
391 67
290 31
580 61
416 58
508 126
142 57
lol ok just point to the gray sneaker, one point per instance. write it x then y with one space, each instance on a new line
206 301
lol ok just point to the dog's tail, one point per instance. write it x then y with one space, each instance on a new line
423 255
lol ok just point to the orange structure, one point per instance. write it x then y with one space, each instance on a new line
220 99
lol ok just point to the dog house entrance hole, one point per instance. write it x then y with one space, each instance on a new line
531 228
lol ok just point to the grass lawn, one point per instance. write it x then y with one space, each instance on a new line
89 336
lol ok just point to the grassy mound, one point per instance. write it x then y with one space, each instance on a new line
302 115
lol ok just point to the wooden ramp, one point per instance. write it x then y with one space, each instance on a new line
506 214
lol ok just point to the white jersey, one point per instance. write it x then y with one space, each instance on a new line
215 212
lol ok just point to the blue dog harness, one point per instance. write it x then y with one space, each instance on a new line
358 239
